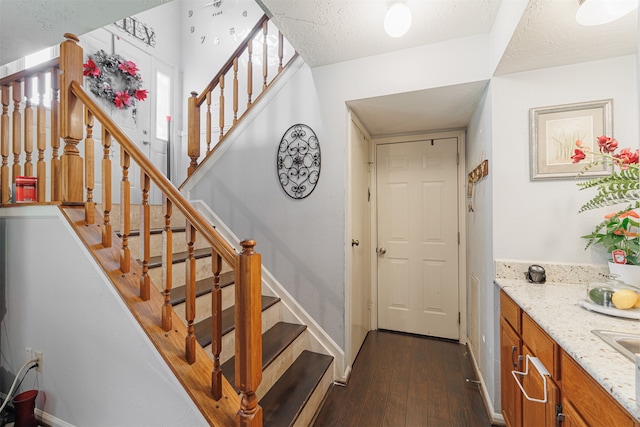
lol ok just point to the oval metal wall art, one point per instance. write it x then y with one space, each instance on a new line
298 161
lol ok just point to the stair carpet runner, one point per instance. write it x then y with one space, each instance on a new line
284 400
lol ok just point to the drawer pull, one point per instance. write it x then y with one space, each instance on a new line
541 370
513 359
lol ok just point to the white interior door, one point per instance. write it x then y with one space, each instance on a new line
360 241
418 237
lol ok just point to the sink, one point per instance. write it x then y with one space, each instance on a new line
625 343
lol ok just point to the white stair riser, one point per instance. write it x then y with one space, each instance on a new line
278 367
156 245
203 270
203 304
312 406
270 317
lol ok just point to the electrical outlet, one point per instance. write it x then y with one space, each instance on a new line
39 357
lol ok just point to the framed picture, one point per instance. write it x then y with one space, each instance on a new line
554 132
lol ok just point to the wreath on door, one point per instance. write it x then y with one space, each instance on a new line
114 79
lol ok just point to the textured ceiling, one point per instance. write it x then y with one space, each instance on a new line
330 31
27 26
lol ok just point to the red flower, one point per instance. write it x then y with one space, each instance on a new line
579 155
90 69
128 67
626 157
606 144
141 94
122 99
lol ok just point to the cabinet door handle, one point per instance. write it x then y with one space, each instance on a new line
543 373
513 354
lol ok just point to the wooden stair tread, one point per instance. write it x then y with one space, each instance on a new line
283 403
202 329
203 286
135 233
178 257
274 341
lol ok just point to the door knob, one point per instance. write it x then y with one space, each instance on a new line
146 142
355 242
382 251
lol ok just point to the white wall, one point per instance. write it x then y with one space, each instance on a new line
482 312
99 369
538 220
300 240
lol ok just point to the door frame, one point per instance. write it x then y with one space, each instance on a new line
462 247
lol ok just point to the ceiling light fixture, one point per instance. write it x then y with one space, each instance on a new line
598 12
397 20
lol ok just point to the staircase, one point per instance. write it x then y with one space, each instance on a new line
294 378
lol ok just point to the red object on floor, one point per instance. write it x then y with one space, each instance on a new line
25 405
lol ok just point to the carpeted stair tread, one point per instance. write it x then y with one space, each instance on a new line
203 286
178 257
274 341
202 329
283 403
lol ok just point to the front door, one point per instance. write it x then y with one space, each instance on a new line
418 237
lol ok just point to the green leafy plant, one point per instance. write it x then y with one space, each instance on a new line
620 229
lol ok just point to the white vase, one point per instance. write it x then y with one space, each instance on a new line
626 272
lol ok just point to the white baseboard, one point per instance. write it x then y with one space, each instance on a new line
341 371
496 418
46 418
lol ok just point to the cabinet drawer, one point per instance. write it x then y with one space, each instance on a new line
541 345
593 404
511 312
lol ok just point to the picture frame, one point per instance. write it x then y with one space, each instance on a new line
553 134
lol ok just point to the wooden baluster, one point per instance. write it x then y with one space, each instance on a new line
280 51
125 211
249 73
265 55
248 334
16 93
145 242
194 133
216 325
56 175
4 145
71 126
190 294
106 187
208 121
221 107
89 175
235 90
167 264
28 127
41 139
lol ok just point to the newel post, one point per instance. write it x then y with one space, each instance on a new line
193 148
248 319
71 116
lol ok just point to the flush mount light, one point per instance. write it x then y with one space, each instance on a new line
598 12
397 20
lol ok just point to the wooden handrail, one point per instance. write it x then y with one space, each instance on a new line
194 217
229 64
230 67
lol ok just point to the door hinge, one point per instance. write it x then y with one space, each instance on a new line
458 318
458 237
457 158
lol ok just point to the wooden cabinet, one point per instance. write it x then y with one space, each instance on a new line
510 351
571 391
587 402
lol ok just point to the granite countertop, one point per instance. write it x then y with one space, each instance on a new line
554 307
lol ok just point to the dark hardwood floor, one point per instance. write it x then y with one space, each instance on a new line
407 380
